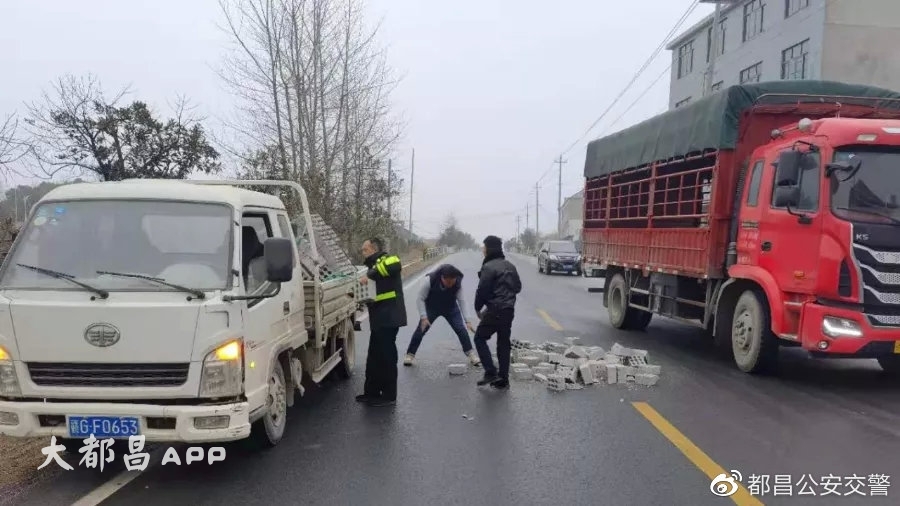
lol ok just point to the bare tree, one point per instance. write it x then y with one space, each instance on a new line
11 147
77 128
315 89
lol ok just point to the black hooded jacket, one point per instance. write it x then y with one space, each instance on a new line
388 309
498 283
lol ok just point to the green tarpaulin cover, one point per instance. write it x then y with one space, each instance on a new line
709 123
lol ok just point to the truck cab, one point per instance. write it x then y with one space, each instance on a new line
170 309
820 233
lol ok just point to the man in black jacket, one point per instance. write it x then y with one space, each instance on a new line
498 285
387 313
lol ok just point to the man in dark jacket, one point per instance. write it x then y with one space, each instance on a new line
387 313
498 285
441 296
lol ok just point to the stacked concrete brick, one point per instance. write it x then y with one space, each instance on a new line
571 366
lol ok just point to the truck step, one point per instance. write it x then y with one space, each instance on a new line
319 374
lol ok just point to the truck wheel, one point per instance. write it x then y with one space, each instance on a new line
753 343
268 430
890 364
348 353
617 302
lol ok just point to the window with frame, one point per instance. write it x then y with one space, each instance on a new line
794 61
755 180
810 178
751 74
710 42
284 226
792 7
754 14
253 266
685 59
682 102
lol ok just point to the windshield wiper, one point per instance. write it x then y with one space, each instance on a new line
870 213
196 293
68 277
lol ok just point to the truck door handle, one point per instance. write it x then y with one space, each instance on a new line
766 246
286 307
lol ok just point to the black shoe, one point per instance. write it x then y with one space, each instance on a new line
366 398
488 378
500 383
381 403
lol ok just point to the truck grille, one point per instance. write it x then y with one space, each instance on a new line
880 272
107 375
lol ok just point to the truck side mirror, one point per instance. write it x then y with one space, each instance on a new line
786 196
787 172
278 253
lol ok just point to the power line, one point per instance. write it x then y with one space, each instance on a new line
637 74
638 99
640 71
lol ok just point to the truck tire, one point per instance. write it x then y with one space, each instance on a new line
617 302
344 370
268 430
890 364
753 344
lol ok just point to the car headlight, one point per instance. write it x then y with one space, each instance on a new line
840 327
9 381
554 257
223 371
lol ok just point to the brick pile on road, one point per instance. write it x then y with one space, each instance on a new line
571 366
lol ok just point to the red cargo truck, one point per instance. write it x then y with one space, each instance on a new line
766 214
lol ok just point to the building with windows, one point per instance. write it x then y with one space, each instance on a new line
767 40
571 217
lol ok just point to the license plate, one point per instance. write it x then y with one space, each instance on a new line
896 346
81 427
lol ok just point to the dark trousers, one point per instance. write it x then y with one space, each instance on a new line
381 364
495 322
453 317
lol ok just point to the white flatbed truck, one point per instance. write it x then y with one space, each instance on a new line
183 311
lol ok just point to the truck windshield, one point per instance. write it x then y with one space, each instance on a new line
185 244
563 247
869 195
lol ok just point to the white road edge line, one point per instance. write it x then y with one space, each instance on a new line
109 488
103 492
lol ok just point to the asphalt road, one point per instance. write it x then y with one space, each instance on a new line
609 444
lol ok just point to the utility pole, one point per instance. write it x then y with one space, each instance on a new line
527 215
412 174
714 50
537 212
560 162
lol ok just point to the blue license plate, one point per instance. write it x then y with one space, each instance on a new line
102 427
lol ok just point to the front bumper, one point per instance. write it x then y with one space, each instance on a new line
563 265
874 342
41 419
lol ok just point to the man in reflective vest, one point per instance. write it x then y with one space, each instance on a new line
387 313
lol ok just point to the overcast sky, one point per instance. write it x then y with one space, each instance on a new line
493 90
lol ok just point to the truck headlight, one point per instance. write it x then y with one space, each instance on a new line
9 381
840 327
223 371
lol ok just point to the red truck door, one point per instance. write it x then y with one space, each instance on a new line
789 244
748 242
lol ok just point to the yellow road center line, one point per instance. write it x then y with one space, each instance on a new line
550 321
693 453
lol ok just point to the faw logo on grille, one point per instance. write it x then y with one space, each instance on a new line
102 335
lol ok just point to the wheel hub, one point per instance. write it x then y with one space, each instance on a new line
743 330
277 400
